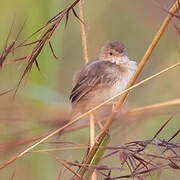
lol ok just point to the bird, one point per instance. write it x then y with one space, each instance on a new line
102 78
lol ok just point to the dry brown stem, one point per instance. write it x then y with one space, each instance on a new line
85 51
83 32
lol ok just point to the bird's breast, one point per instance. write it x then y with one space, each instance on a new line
122 81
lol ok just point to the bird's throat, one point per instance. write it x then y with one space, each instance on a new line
125 62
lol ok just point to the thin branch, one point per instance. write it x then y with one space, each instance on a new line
83 32
85 52
155 106
45 36
67 167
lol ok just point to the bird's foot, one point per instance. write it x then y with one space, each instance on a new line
114 108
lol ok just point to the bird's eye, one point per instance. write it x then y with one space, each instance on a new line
111 53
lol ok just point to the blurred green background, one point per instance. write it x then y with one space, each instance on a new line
36 108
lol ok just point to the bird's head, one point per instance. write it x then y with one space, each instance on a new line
113 51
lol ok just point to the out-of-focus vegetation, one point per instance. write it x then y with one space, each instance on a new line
42 104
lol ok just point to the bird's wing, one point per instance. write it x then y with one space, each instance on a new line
96 74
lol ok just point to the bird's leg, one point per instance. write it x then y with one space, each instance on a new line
114 109
119 110
113 103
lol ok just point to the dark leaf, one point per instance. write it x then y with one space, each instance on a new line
174 135
52 50
6 52
174 165
75 14
162 128
67 17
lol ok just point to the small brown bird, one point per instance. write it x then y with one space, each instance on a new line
103 78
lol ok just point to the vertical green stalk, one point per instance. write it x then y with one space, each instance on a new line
94 156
